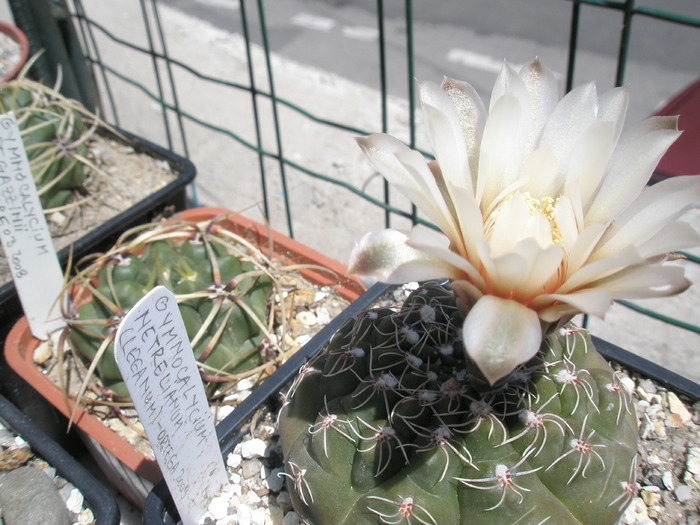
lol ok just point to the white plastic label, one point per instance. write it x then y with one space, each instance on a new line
25 235
157 364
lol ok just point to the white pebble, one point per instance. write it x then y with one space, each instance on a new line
244 515
628 383
246 384
250 468
667 479
693 462
323 316
259 517
302 339
237 488
218 508
254 448
253 498
676 406
74 503
636 512
234 460
86 517
223 411
307 318
683 493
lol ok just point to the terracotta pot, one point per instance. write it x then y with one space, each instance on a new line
132 472
18 36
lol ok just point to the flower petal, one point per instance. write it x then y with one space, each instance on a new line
589 159
541 174
386 256
631 167
408 172
642 281
501 150
612 107
600 269
656 206
571 117
675 236
509 82
543 91
595 302
500 334
445 133
472 117
542 268
433 243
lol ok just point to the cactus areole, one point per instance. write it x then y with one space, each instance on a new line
391 423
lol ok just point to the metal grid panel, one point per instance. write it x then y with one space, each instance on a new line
275 162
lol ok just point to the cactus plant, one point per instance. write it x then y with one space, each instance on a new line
391 423
55 131
221 282
478 401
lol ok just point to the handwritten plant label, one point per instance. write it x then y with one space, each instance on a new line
25 235
157 364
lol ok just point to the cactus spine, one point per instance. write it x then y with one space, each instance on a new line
222 285
390 424
54 131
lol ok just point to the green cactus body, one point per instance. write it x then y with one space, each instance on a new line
390 424
222 296
54 132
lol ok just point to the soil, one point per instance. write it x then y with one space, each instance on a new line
123 178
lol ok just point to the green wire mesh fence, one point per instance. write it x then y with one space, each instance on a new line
242 125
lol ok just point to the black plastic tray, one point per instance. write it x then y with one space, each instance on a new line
160 508
172 194
102 503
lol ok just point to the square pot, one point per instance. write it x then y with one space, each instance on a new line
131 471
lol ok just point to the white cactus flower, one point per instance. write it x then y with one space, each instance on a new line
542 206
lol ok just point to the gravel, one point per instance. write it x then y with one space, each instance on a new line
19 468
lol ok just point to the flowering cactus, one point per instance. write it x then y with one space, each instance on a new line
392 423
223 295
479 402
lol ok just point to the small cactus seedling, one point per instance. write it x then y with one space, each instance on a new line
55 131
392 424
222 283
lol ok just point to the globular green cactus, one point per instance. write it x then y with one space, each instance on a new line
54 131
222 289
391 424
